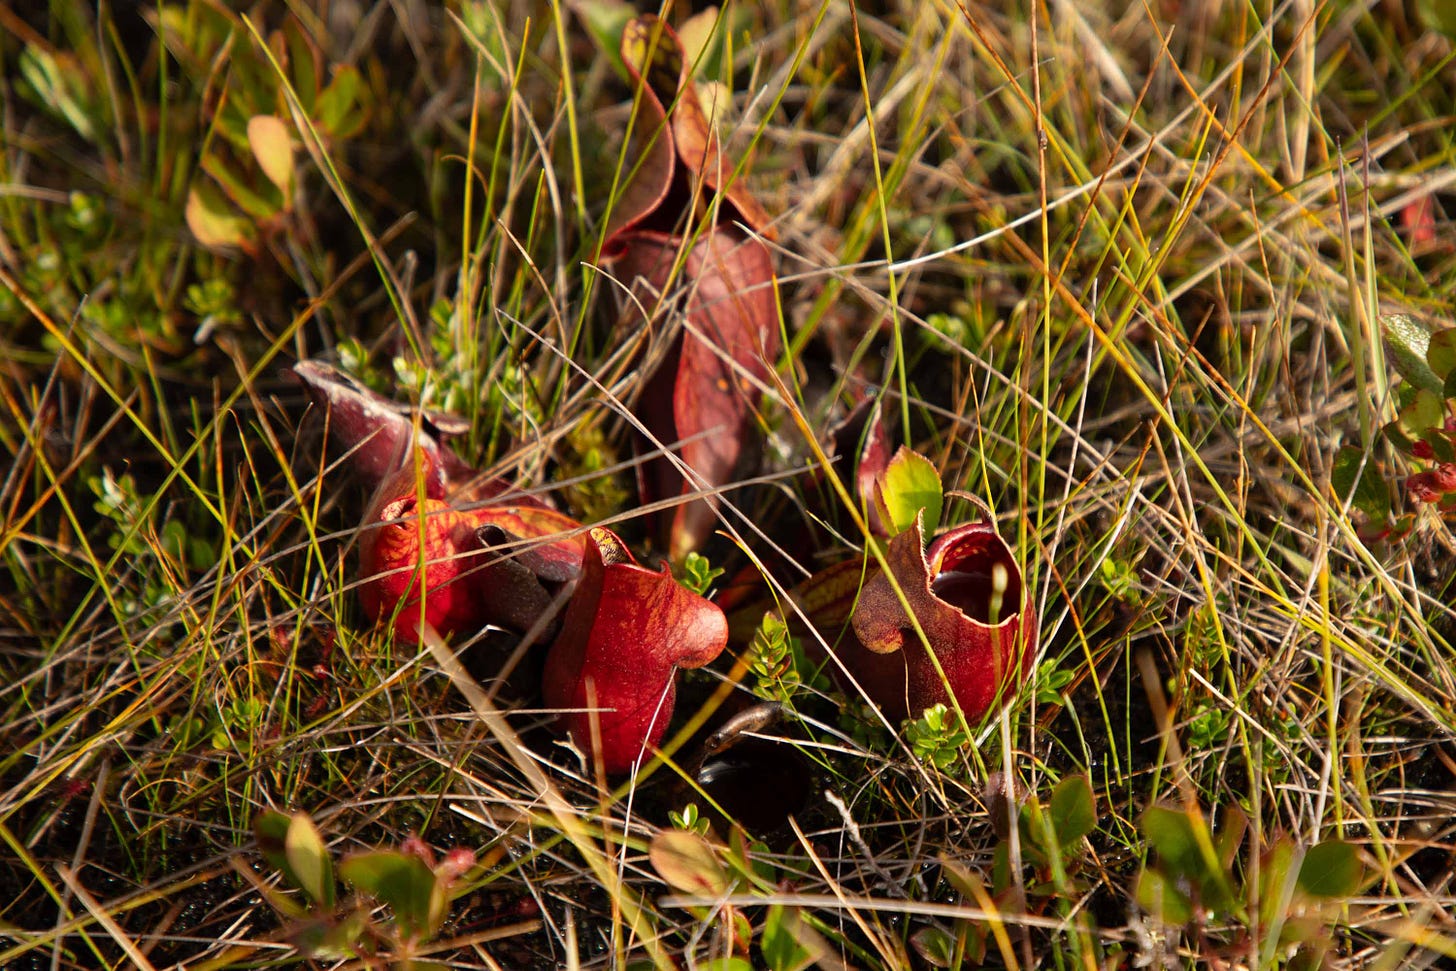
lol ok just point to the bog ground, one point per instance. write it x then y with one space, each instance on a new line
1160 293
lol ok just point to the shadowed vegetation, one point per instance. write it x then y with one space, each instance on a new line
1161 289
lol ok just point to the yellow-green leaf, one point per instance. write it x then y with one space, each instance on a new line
273 148
697 33
909 484
213 222
309 860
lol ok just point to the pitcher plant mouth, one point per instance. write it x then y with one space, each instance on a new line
973 570
968 619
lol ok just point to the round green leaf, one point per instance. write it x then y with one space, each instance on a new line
405 883
1073 809
1330 869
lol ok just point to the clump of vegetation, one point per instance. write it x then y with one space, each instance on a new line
537 485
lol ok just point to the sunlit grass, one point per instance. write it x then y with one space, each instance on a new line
1118 273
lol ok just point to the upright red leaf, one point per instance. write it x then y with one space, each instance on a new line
718 278
614 665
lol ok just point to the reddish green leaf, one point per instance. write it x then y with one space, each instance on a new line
935 946
405 883
688 863
271 829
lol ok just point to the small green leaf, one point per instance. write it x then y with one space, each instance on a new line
405 883
1158 896
1406 343
697 574
1441 353
935 946
1438 14
339 112
909 484
1073 809
1330 869
780 941
687 863
1170 832
309 860
1359 480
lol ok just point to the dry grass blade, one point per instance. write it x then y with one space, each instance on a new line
1124 273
